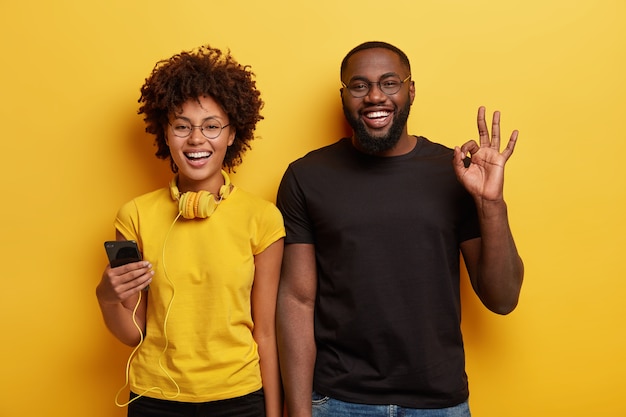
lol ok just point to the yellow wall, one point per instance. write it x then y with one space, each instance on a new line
74 150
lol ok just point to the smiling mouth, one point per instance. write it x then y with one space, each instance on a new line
377 114
195 156
377 119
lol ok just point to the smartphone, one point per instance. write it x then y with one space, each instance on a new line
122 252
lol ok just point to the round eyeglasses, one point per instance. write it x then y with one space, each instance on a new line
210 128
389 85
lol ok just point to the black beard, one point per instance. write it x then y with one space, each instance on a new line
378 144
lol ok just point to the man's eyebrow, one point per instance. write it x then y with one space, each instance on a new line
364 78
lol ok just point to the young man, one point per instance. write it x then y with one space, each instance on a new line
369 300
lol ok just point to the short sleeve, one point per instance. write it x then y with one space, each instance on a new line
270 228
292 204
126 221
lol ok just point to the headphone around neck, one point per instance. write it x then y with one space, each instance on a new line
199 204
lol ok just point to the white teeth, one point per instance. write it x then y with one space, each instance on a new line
198 154
376 114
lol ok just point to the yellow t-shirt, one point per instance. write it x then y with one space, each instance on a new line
204 272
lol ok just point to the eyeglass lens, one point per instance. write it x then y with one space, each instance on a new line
388 85
211 128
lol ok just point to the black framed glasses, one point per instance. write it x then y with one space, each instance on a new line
389 85
210 128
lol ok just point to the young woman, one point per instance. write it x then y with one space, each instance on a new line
200 307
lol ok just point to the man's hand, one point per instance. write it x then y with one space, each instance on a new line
484 177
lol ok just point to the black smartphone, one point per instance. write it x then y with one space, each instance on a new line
122 252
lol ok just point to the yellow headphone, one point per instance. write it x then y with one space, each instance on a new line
199 204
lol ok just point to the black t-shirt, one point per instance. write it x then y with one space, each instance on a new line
386 232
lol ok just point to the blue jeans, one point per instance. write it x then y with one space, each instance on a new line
329 407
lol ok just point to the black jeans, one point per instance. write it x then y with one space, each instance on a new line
251 405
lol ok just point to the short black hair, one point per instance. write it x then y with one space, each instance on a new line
375 44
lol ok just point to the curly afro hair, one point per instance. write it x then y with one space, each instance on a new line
204 71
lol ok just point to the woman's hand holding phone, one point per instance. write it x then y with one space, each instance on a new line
126 274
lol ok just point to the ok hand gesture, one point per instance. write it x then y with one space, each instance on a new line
484 177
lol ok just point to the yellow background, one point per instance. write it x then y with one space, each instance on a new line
74 150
